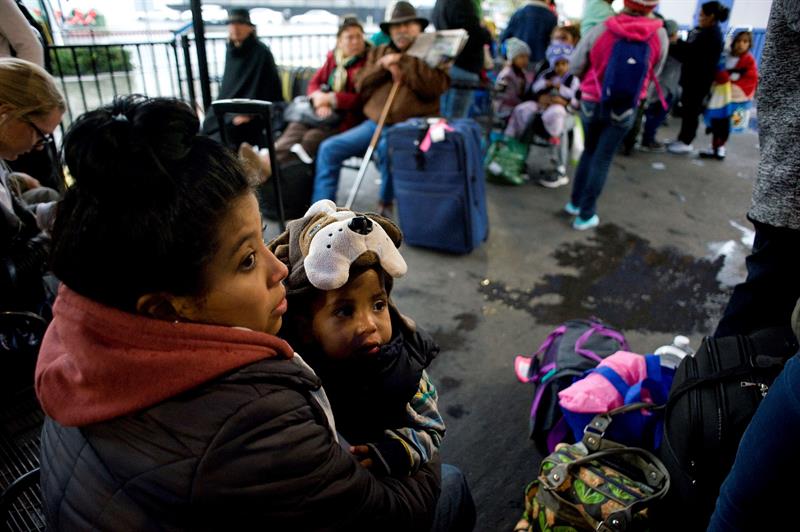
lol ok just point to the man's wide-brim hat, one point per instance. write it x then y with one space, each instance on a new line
239 16
403 12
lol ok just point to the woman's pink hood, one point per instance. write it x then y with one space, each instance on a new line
97 363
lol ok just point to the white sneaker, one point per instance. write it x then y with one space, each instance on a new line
298 150
680 147
554 181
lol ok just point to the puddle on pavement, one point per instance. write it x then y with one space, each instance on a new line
624 281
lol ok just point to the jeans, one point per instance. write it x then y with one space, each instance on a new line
455 103
768 295
753 496
654 116
455 510
603 137
335 150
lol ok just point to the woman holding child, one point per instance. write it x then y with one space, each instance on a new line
170 402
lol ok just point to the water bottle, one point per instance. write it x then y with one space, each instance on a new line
671 355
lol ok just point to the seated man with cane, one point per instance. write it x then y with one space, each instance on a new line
394 86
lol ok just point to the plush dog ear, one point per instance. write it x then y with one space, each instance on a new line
389 226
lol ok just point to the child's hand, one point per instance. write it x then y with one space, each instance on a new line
361 452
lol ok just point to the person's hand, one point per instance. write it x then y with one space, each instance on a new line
559 100
397 75
388 60
25 181
361 452
238 120
322 99
323 111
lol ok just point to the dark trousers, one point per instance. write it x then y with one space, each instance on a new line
654 116
692 103
455 510
308 137
720 131
768 295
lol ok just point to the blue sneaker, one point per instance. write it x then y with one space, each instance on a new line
571 209
582 225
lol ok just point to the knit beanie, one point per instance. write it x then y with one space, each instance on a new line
515 47
641 6
558 51
320 248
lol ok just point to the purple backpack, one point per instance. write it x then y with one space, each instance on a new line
570 350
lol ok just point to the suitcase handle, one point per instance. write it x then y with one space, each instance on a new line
264 109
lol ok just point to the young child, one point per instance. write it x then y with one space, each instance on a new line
737 68
512 82
553 90
371 359
567 34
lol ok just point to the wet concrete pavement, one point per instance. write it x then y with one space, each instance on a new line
671 244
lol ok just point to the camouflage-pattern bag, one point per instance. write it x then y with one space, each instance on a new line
594 485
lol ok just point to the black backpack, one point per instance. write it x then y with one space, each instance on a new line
713 397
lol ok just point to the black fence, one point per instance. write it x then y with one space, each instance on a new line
92 74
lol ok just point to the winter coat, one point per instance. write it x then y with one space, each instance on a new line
743 76
418 94
776 192
511 86
348 101
699 55
153 425
532 23
250 72
387 401
590 58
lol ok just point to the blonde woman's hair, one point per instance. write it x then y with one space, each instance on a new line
28 88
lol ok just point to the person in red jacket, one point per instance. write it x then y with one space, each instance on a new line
331 90
734 86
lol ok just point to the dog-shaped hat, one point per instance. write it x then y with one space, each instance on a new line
321 247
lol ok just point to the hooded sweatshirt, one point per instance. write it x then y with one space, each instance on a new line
591 57
97 363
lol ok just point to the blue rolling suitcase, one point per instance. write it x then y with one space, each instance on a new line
441 199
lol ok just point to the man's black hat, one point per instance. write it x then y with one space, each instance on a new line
239 16
403 12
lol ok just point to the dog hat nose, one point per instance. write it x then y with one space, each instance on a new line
361 225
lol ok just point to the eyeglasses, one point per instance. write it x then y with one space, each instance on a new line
44 138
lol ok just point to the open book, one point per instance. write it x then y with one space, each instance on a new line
437 47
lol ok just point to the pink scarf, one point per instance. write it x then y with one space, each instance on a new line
97 363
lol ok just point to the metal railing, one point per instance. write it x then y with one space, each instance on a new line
92 74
